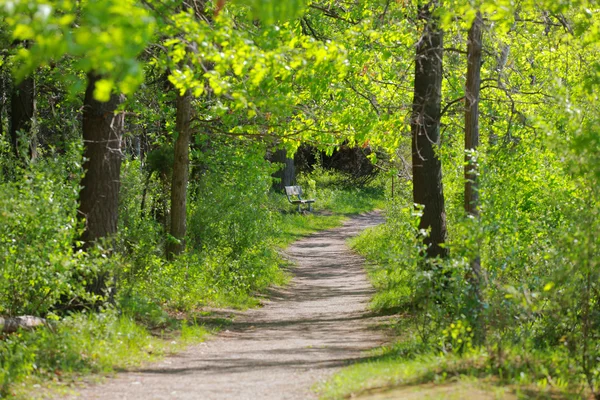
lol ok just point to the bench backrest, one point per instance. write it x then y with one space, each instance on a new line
293 191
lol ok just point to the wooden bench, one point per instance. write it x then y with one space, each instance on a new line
294 196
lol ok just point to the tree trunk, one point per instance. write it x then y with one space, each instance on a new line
287 173
99 195
472 87
25 322
2 97
22 107
144 193
425 128
176 243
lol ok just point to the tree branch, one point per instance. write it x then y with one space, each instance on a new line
332 13
448 105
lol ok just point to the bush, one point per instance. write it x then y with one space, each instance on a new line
537 239
231 226
81 343
37 262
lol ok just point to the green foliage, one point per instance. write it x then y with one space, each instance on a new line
536 235
229 237
393 249
37 262
408 368
273 11
103 36
80 344
232 213
332 192
16 361
336 77
457 337
234 226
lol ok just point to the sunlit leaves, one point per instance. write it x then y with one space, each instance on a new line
254 79
102 89
272 11
103 36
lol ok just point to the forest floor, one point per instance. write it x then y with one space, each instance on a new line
303 334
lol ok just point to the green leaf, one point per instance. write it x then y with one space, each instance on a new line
272 11
102 89
548 286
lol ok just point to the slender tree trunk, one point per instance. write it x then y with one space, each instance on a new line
472 87
99 195
144 193
22 107
181 164
287 173
425 126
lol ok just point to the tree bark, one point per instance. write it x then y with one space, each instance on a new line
472 88
99 195
473 83
181 163
425 128
287 173
2 97
25 322
22 114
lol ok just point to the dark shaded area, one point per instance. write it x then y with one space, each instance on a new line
22 110
286 175
350 161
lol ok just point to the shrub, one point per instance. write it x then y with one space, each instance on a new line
37 262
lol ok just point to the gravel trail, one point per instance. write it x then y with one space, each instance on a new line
302 335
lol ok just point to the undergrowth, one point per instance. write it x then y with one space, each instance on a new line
237 229
409 363
540 307
62 353
419 356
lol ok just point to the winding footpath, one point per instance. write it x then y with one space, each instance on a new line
303 334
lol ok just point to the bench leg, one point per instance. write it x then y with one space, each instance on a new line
299 207
309 206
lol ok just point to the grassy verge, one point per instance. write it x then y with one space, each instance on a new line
59 356
413 368
330 210
335 201
408 370
296 226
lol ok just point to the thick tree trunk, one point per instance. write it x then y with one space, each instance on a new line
22 114
472 87
287 173
99 195
425 127
181 164
2 97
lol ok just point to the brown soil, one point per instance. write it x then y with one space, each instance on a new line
301 336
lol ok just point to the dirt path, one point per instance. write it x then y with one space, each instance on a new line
300 337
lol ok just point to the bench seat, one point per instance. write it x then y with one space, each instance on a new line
294 196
